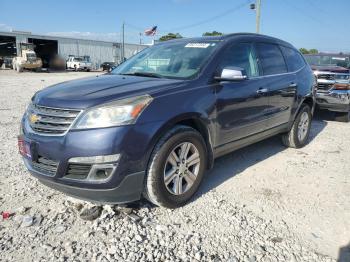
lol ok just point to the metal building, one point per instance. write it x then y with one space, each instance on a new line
47 47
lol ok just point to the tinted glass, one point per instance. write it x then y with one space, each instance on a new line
293 59
271 59
243 56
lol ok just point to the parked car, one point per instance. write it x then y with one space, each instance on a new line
79 63
154 125
26 59
108 66
333 83
6 62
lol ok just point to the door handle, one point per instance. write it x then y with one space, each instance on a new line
292 85
262 90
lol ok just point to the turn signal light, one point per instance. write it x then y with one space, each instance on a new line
339 86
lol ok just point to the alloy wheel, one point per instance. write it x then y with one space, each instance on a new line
303 126
181 168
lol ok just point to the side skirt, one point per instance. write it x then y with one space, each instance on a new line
234 145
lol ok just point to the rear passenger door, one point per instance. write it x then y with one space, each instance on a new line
280 85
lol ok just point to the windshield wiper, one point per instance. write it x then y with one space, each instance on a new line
147 74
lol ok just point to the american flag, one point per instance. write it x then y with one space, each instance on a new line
151 31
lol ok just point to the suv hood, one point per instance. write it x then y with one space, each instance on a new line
91 91
330 68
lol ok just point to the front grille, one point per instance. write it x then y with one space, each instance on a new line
324 87
46 166
49 120
77 171
326 76
341 77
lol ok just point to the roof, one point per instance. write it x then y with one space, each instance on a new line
328 54
52 37
245 36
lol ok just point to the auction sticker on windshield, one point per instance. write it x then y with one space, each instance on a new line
198 45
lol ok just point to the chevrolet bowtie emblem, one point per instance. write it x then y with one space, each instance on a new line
33 118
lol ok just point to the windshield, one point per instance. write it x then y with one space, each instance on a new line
180 60
31 55
324 60
78 59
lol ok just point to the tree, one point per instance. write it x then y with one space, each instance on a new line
214 33
303 51
170 36
310 51
313 51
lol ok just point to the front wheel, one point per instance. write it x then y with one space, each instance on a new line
176 167
300 131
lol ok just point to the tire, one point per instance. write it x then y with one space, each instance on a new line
298 135
75 68
342 117
155 189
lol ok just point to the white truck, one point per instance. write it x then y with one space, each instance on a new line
27 59
79 63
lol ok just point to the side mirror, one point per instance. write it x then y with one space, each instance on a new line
232 74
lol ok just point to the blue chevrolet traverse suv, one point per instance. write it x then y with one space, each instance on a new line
155 124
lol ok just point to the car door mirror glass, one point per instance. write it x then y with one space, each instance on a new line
232 74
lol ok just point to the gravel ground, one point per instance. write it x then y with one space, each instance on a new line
261 203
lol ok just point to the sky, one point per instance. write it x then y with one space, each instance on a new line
320 24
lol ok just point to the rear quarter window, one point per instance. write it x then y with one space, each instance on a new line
271 59
293 58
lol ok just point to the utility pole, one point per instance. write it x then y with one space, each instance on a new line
257 9
123 42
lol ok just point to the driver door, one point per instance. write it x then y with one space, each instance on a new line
242 105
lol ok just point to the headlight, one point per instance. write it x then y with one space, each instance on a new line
117 113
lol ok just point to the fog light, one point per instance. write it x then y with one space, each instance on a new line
101 167
101 172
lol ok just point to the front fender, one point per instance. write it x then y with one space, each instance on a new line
195 120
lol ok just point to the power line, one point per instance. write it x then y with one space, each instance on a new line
210 19
234 9
302 11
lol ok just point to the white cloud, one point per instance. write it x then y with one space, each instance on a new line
5 28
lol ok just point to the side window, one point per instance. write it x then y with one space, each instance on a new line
241 55
293 59
271 59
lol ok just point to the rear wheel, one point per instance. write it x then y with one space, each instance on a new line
176 167
300 131
342 117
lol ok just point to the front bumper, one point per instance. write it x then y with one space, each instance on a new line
334 100
129 190
133 143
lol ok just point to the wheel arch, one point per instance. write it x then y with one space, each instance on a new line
195 121
308 100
